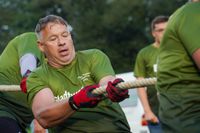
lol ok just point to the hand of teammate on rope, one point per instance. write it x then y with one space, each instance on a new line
85 98
23 81
116 94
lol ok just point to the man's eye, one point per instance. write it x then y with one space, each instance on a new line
159 30
52 39
65 35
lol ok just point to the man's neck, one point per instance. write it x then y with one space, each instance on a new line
156 44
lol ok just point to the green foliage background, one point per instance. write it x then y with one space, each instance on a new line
120 28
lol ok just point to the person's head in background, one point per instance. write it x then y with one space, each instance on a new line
158 26
194 0
55 40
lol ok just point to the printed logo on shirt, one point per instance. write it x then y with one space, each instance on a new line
155 68
66 95
84 77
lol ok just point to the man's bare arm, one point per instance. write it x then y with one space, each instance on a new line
47 111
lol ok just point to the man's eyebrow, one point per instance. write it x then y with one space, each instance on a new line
51 25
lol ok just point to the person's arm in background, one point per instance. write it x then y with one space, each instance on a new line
37 128
196 57
28 63
140 73
148 114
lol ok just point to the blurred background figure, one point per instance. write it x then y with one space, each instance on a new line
178 78
18 59
146 67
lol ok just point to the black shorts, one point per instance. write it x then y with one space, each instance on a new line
8 125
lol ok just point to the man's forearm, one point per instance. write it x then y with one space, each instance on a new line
144 99
54 114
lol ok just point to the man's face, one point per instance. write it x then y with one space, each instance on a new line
158 31
195 0
57 44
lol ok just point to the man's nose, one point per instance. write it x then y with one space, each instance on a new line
61 42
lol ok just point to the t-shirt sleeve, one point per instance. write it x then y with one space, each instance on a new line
27 43
189 30
34 84
101 66
139 68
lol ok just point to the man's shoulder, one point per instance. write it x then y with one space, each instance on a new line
89 52
41 69
146 49
28 34
194 5
22 38
187 10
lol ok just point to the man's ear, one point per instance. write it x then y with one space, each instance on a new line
40 45
153 33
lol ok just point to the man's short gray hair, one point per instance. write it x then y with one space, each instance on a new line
42 23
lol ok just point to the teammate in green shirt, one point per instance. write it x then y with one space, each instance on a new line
145 67
60 91
178 72
20 55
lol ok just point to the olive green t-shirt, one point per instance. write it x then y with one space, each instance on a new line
146 66
14 104
178 77
87 68
176 67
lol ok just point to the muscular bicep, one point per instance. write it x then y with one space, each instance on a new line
42 99
49 112
196 57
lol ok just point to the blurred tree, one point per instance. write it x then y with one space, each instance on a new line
10 12
118 27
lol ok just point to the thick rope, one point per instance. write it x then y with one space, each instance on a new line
129 85
10 88
124 85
